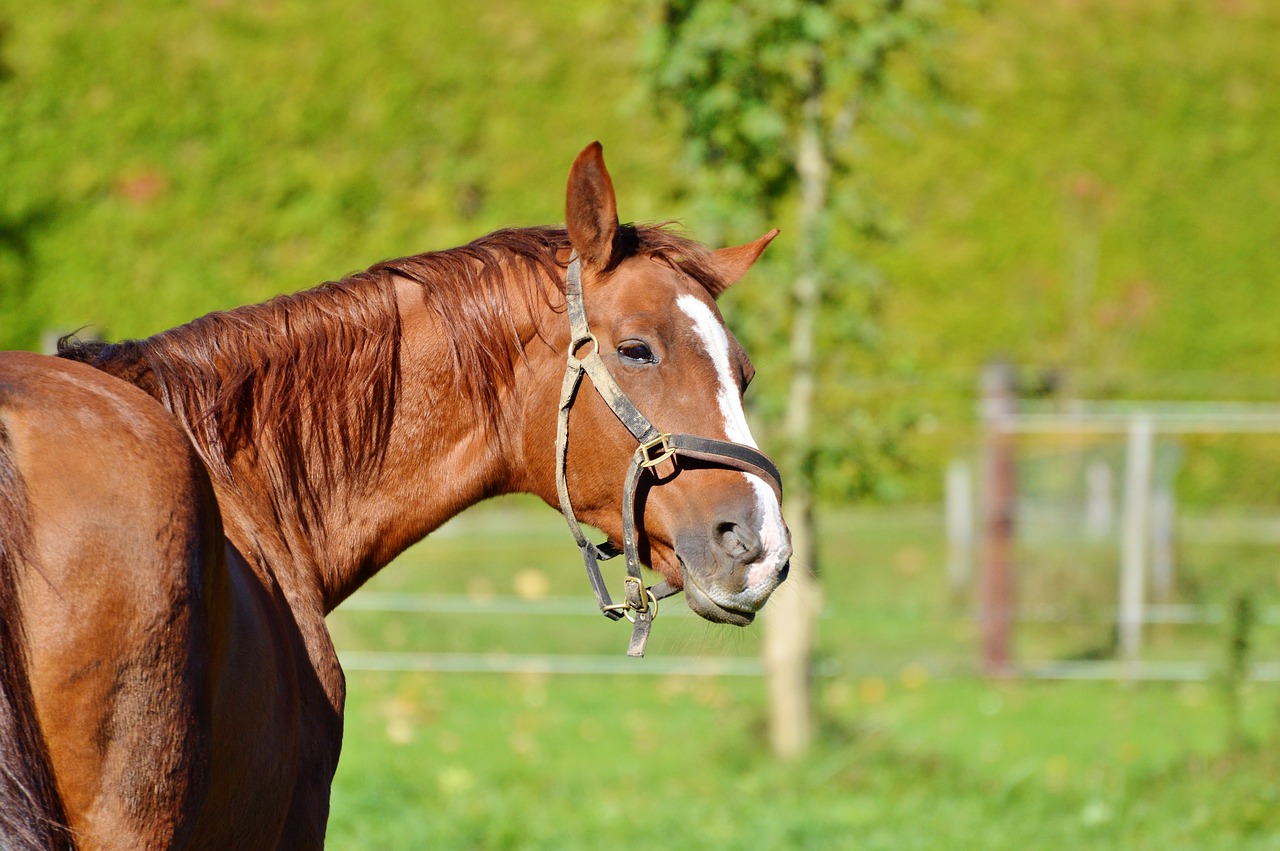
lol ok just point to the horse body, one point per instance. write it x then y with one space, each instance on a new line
165 671
188 508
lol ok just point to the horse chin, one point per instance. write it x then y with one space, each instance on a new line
701 603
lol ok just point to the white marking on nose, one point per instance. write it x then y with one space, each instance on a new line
773 537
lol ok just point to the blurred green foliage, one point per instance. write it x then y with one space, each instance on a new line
1142 132
1095 194
773 100
199 156
741 73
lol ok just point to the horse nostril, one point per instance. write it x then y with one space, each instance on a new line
738 542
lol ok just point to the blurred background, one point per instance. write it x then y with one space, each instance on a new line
1049 591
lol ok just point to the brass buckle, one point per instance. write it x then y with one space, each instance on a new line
656 451
640 593
650 604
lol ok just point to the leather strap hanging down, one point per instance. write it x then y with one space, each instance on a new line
640 604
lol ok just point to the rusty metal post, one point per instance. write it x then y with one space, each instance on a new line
996 573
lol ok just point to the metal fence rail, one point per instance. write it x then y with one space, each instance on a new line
741 666
521 663
462 604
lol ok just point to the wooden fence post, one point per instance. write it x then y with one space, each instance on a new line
959 516
1133 544
996 581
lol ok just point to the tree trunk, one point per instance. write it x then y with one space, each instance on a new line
789 638
791 620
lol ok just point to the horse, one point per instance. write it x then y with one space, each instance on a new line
178 514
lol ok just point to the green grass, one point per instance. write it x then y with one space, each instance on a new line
913 752
489 761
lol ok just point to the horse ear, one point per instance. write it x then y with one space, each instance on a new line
731 264
591 209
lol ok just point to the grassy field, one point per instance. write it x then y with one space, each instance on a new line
914 751
493 761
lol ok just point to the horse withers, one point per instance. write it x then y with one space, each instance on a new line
178 514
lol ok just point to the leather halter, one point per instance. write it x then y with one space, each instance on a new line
640 604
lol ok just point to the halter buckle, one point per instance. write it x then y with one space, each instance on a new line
648 602
654 452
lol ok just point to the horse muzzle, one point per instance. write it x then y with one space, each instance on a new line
729 574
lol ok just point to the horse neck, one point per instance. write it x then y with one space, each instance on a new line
335 444
442 455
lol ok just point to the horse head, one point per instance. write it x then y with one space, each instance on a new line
710 522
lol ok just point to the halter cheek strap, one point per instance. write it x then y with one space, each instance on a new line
640 604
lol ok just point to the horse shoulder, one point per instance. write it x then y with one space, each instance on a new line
127 569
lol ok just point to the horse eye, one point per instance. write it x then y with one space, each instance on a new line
636 351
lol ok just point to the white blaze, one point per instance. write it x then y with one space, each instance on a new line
773 537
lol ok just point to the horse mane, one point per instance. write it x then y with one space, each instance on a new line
250 379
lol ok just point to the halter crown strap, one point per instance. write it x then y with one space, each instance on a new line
640 604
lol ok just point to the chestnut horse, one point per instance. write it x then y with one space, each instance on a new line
178 514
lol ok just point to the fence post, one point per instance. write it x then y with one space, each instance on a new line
1133 545
959 488
995 586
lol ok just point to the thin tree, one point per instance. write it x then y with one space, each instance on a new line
773 96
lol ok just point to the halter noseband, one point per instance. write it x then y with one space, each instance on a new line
640 604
